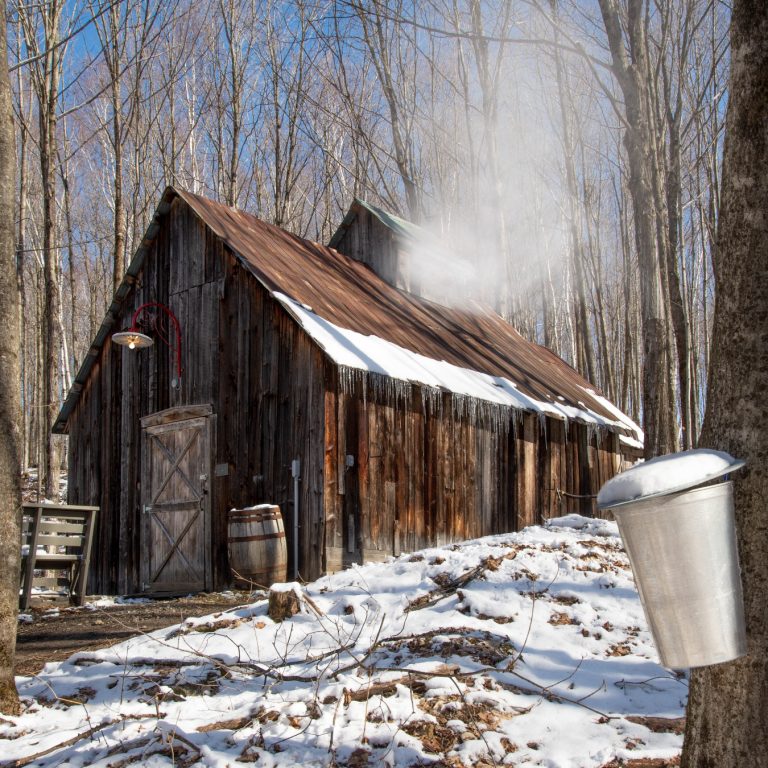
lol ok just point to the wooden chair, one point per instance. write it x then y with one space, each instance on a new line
56 537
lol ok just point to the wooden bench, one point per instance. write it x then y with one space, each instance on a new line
56 537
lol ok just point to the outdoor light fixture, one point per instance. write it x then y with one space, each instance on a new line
133 338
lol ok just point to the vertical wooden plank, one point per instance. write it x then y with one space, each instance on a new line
332 471
526 471
364 511
585 471
555 448
391 520
571 468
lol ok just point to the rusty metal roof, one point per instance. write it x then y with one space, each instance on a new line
349 294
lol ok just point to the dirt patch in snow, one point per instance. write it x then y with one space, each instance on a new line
57 630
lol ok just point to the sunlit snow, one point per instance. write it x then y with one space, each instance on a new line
664 474
519 649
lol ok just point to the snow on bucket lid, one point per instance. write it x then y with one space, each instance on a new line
666 474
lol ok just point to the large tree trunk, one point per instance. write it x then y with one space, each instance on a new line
728 705
10 490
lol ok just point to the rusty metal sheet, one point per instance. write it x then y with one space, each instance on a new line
349 294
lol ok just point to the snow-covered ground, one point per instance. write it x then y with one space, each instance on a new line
525 649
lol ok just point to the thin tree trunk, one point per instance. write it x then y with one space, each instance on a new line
376 42
658 409
71 261
585 361
489 91
10 412
20 260
46 73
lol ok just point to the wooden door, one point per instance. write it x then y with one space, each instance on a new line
176 530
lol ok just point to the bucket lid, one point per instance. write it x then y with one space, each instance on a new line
665 475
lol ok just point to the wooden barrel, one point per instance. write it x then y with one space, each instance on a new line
258 555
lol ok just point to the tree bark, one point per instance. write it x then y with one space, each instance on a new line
585 358
631 72
42 36
10 411
728 704
51 282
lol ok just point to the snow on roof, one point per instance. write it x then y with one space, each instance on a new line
373 354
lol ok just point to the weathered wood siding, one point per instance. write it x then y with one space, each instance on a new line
183 271
371 242
271 411
242 355
374 244
406 472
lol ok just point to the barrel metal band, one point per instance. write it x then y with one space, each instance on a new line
262 537
253 518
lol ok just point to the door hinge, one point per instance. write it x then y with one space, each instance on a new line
147 509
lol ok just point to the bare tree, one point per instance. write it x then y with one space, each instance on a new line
631 68
585 358
392 58
239 43
10 489
41 25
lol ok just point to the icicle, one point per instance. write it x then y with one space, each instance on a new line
544 421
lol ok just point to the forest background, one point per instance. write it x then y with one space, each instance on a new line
570 151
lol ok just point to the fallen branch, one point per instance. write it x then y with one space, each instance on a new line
436 595
387 688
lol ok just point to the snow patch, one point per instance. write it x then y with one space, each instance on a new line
526 648
665 474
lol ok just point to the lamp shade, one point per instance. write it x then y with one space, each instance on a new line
132 339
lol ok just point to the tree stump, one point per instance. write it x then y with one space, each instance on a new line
284 601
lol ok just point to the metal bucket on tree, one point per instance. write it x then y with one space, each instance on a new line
681 543
258 555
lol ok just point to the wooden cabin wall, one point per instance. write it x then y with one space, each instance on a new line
94 463
270 399
369 241
575 460
181 270
242 355
411 474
